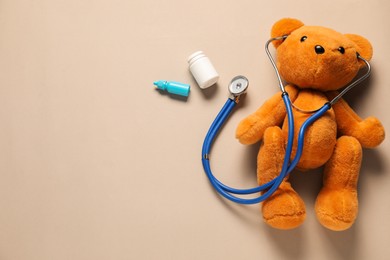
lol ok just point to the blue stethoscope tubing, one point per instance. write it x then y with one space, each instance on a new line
287 167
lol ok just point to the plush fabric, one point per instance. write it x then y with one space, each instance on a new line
316 62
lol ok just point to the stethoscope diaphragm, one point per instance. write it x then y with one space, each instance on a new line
238 85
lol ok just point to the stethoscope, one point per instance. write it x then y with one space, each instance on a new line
237 87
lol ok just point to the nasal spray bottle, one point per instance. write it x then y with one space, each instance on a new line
173 87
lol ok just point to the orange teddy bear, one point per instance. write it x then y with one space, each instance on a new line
315 62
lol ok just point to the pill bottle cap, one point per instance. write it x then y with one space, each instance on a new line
195 56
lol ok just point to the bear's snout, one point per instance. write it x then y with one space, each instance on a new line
319 49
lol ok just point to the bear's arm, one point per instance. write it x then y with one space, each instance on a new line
369 132
251 129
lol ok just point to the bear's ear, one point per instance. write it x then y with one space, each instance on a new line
364 47
283 27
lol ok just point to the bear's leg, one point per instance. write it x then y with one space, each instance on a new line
284 209
337 203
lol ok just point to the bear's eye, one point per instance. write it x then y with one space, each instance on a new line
341 50
303 38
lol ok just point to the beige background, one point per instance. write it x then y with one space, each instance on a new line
96 164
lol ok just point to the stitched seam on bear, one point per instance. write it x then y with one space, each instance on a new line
300 213
337 218
316 71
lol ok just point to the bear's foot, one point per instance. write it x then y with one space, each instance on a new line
337 209
284 209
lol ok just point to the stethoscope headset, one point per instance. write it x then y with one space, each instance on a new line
237 88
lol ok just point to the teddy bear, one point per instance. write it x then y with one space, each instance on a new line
316 63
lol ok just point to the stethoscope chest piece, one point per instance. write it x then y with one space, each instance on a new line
238 85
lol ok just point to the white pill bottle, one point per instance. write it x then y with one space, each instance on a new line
202 70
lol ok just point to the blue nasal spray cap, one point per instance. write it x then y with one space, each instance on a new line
173 87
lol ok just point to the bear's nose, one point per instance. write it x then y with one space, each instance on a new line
319 49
